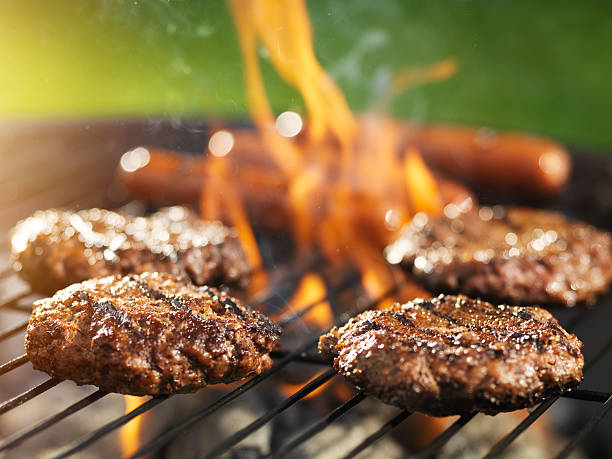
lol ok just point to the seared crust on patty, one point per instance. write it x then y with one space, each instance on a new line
519 255
55 248
454 355
148 334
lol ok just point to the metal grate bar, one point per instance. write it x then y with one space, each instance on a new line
19 437
20 308
438 443
27 395
288 402
304 357
18 327
106 429
318 426
587 395
587 428
12 364
12 303
386 428
295 355
534 415
227 398
288 319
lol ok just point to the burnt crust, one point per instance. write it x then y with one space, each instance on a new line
454 355
55 248
153 333
513 254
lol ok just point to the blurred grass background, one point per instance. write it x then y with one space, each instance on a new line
543 66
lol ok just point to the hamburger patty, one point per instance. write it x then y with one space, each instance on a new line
56 248
519 255
152 333
454 355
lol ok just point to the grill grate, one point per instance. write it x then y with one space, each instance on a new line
304 354
579 199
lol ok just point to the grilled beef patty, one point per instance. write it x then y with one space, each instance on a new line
152 333
519 255
55 248
454 355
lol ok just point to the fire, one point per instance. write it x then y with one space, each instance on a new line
129 435
311 291
421 184
348 188
288 389
220 145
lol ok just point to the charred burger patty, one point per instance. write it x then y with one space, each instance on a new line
148 334
56 248
454 355
519 255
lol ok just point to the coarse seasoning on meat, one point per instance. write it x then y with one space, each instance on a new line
454 355
153 333
54 248
519 255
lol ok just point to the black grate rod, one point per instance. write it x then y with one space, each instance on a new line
438 443
587 428
173 432
168 435
287 319
385 429
318 426
12 303
19 437
587 395
27 395
304 357
261 298
499 447
503 444
12 364
255 425
13 330
106 429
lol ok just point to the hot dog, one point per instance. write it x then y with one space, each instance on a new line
490 159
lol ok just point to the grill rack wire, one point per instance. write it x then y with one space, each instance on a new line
305 354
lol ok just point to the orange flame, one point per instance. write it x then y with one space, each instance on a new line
288 389
348 190
311 293
421 184
409 77
129 435
215 194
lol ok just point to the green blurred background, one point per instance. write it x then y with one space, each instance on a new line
543 66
